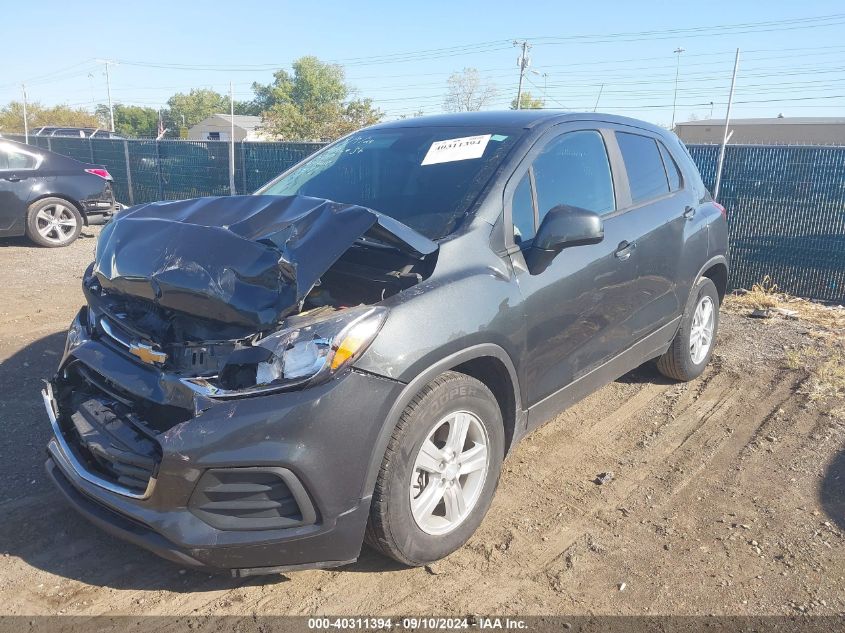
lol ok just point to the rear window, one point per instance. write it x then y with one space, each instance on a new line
11 159
672 171
646 174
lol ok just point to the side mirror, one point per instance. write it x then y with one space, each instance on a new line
562 227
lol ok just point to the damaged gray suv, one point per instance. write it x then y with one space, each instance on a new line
262 383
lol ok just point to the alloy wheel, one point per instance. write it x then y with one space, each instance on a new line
449 473
701 332
56 223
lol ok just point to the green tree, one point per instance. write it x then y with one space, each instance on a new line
527 102
196 105
11 117
313 103
467 92
129 120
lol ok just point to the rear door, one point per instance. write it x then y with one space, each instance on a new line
17 172
663 212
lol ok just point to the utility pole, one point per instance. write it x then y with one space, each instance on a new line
725 136
232 140
596 107
677 52
711 110
25 120
107 63
522 62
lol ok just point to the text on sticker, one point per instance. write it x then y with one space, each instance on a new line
454 149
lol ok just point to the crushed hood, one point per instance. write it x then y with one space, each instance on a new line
246 260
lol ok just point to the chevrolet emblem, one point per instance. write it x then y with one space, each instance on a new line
146 353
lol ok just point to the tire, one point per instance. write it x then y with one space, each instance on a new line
53 222
394 528
682 361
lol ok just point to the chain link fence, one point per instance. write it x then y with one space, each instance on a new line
786 204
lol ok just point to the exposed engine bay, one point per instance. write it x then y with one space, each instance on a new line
249 292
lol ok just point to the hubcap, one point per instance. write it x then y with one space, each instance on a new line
449 473
701 332
55 223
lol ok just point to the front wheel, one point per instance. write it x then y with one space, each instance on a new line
692 346
439 472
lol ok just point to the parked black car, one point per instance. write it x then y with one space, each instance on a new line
263 382
49 197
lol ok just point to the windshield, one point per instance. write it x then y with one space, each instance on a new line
425 177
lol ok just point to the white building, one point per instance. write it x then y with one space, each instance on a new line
780 130
218 127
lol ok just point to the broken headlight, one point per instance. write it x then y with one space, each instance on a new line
307 353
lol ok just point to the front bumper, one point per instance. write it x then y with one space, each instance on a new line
322 436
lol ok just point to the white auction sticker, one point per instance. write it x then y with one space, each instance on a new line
456 149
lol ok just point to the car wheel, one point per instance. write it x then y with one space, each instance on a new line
692 346
53 222
439 472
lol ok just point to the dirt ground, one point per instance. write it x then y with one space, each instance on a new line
728 495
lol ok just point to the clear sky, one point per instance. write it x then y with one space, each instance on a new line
401 53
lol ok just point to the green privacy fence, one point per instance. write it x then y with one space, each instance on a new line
786 213
786 204
148 170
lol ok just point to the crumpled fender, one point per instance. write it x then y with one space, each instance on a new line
246 260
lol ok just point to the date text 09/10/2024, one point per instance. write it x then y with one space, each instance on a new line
417 623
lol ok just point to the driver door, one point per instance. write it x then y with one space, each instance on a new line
576 308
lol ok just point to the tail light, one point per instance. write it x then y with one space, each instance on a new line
722 210
102 173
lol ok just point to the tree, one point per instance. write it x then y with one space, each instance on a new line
527 102
129 120
311 104
198 104
11 117
466 92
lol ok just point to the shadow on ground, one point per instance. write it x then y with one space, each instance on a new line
23 241
832 490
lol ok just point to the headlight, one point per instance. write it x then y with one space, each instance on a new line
75 331
308 353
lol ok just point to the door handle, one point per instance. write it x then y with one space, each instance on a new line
689 213
12 178
624 250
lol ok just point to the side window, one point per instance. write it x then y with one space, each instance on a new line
672 171
574 170
646 175
522 211
10 159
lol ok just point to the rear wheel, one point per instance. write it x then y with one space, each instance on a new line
439 472
692 346
53 222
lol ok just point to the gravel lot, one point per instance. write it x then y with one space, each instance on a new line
728 495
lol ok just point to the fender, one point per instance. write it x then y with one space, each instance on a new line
718 259
413 387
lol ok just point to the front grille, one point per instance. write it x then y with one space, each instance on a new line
113 444
193 359
251 498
